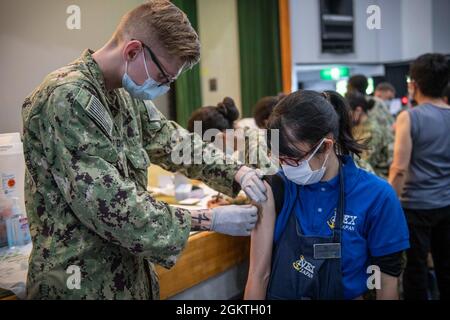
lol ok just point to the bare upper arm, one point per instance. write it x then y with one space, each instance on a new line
262 236
388 288
403 142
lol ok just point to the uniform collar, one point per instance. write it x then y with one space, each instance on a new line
97 75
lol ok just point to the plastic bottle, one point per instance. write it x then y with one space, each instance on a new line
12 230
12 167
17 226
25 237
3 236
5 212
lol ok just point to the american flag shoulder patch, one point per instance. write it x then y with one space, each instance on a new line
98 113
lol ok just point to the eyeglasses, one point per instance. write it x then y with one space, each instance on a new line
158 65
295 162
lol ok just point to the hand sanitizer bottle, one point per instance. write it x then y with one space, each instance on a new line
12 230
5 213
17 227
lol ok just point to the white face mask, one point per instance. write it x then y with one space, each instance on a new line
303 174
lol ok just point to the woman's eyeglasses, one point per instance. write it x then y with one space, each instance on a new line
294 161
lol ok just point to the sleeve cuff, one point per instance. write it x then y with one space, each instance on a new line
183 238
390 248
225 183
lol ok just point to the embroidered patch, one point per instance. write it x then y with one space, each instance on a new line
304 267
98 113
153 114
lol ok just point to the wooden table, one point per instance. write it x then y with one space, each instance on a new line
206 255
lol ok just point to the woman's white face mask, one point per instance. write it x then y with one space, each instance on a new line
303 174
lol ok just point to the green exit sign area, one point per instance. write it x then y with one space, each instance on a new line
335 73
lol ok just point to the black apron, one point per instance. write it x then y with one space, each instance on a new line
308 268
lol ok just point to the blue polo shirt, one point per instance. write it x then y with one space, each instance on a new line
374 223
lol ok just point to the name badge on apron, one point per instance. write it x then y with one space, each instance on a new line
327 251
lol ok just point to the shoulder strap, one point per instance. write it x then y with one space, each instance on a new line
277 184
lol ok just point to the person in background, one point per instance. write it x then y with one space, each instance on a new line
385 91
357 83
246 144
263 109
221 118
379 112
420 174
379 141
446 94
326 221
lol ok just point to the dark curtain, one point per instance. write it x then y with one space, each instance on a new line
259 41
188 94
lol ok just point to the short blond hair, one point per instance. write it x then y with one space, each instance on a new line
162 21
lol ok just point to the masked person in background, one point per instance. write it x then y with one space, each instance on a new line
385 92
90 133
326 221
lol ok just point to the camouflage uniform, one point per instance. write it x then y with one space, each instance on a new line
256 151
363 164
87 151
380 145
380 114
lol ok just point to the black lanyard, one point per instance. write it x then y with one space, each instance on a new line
339 220
333 250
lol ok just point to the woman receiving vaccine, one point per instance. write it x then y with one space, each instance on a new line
329 229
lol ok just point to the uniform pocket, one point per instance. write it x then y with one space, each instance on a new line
138 158
139 163
152 121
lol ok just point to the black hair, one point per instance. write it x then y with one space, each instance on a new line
263 109
221 117
359 83
431 73
358 100
446 92
309 116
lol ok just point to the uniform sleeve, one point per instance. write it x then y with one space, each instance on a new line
175 149
387 231
380 150
374 144
84 164
391 264
256 152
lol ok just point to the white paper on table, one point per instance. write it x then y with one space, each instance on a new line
14 269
